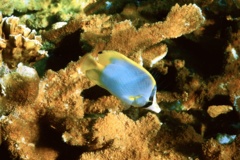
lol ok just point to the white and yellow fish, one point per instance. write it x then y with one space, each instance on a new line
122 77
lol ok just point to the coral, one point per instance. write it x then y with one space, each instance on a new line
24 6
106 33
45 13
215 111
19 87
54 103
213 150
19 43
53 12
115 133
126 39
183 144
103 104
8 7
51 101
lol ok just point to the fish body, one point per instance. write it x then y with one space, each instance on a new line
122 77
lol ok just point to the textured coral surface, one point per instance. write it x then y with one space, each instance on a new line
50 111
18 43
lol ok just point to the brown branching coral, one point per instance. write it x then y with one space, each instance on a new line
107 33
18 43
180 20
124 37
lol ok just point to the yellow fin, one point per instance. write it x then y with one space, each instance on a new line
94 75
87 62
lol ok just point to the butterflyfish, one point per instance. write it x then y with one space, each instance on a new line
122 77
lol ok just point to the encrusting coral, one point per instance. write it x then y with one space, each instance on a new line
117 144
18 43
18 87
